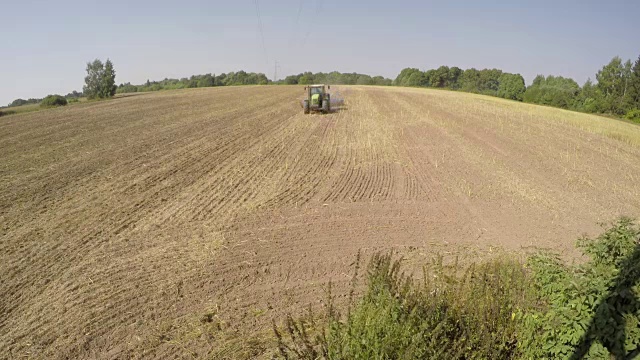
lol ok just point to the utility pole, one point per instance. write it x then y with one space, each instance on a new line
275 71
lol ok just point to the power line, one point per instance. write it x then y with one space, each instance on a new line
296 25
299 12
264 47
311 23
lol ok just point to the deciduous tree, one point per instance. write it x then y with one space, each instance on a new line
633 89
100 81
613 80
93 80
511 86
108 80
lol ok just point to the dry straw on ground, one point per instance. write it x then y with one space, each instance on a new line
172 223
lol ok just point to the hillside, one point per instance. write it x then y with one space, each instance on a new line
167 223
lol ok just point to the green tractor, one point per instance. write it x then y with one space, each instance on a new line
317 99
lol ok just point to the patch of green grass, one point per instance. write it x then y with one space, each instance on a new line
20 109
7 112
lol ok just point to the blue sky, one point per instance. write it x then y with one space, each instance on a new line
45 45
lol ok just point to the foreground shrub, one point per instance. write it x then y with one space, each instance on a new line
545 309
593 308
53 100
633 115
476 315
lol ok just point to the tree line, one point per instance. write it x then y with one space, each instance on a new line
492 82
334 78
20 102
74 95
99 84
198 81
243 78
616 92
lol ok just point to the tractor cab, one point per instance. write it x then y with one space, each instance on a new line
317 99
316 89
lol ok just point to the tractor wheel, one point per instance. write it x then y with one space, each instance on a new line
306 106
326 104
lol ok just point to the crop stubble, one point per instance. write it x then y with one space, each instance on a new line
123 223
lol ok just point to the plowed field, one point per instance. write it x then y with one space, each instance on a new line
171 223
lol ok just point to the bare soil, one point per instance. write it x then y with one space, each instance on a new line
181 223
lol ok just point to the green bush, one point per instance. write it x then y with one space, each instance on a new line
448 316
633 115
53 100
590 105
592 309
20 102
503 309
511 86
126 88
